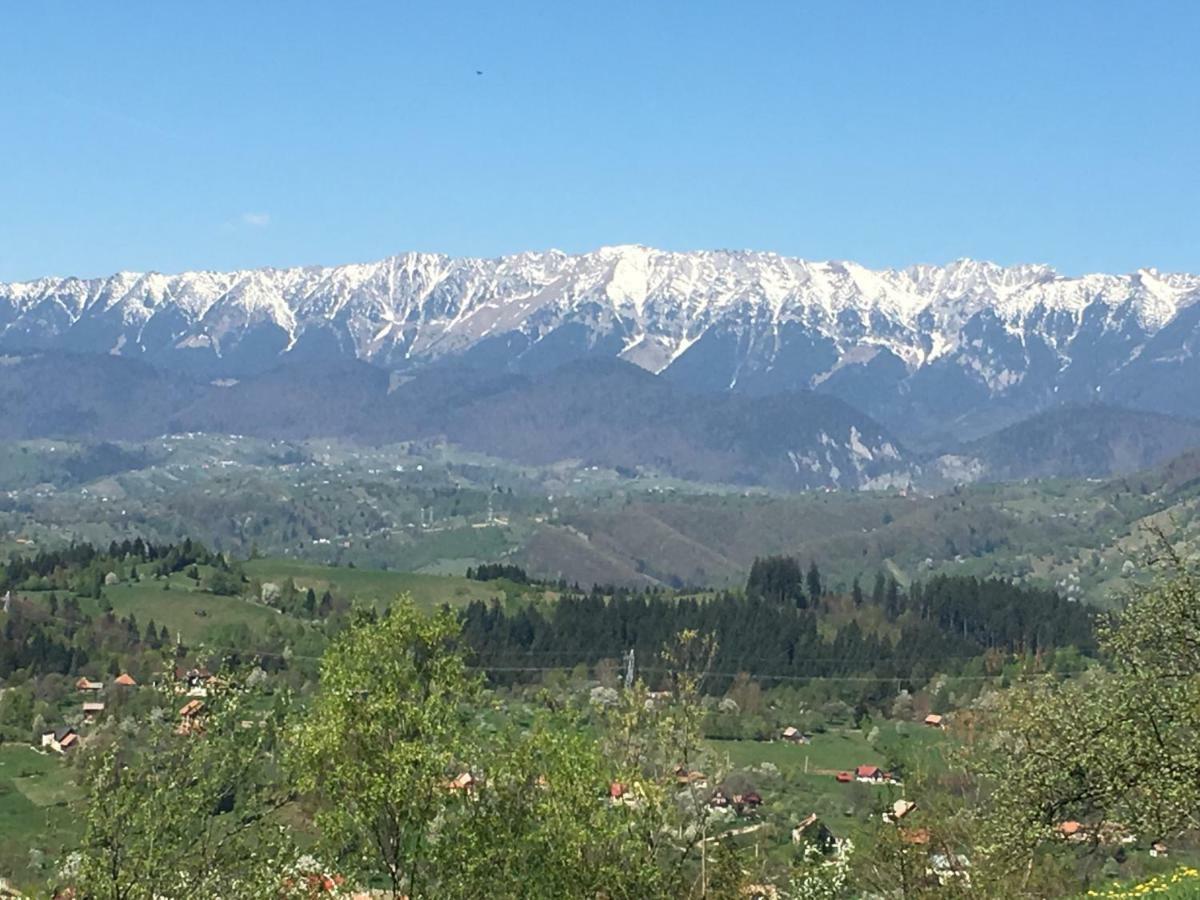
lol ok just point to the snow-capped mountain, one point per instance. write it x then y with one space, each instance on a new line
927 349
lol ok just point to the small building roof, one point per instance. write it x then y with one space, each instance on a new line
125 680
93 707
902 808
191 708
867 771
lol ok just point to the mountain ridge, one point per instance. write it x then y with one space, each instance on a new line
934 352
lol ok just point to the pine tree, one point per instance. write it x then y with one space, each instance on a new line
815 591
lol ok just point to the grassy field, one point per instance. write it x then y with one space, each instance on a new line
36 802
184 609
802 780
375 585
831 751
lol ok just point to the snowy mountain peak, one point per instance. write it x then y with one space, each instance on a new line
719 318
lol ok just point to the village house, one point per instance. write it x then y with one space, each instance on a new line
125 680
747 803
1106 833
91 711
189 717
465 782
794 735
193 682
1072 830
933 720
812 831
88 686
874 775
60 740
685 777
621 795
899 810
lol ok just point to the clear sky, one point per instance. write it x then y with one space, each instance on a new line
169 136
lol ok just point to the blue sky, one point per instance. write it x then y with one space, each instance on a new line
171 136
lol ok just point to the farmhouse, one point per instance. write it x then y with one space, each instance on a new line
91 711
811 830
899 810
684 777
193 682
933 720
61 740
1072 830
189 717
621 795
125 680
88 686
794 735
746 803
874 775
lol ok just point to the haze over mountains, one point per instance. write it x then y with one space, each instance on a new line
772 370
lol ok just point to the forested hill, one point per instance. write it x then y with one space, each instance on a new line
784 626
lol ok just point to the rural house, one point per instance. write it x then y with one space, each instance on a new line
91 711
60 740
811 830
873 775
899 810
189 717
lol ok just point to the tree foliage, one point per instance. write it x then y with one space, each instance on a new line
187 813
1114 750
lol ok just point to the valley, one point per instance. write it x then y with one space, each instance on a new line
434 508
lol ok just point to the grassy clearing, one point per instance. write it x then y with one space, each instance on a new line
830 751
374 585
805 780
37 798
184 609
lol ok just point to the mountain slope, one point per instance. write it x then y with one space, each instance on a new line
936 352
602 412
1082 442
